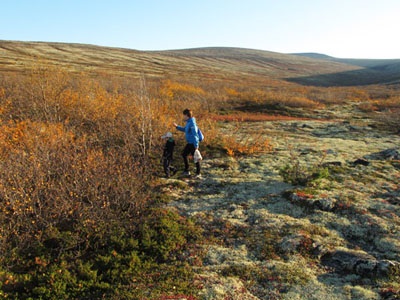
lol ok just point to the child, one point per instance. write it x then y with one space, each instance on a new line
168 155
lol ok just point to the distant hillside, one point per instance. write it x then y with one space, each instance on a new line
366 63
211 63
374 71
201 63
315 55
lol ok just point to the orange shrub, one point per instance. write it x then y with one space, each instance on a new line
50 180
248 144
300 101
388 104
358 95
273 98
180 91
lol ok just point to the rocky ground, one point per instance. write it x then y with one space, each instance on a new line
316 217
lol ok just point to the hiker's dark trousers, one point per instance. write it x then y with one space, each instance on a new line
189 150
168 168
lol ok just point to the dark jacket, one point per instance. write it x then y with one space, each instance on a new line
169 149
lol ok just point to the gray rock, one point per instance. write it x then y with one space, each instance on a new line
325 204
290 244
307 126
361 161
388 154
346 260
360 263
387 267
332 163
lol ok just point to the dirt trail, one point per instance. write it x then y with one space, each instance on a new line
242 203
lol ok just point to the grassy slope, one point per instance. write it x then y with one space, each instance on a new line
201 63
213 63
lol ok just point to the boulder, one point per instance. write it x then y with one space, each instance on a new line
360 263
361 161
290 244
388 154
324 204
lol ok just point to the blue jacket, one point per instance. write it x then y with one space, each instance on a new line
190 130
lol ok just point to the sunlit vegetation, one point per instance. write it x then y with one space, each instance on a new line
78 216
80 209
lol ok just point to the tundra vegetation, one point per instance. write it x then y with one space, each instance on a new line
85 215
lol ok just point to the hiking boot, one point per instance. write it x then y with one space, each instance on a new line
186 173
198 176
174 171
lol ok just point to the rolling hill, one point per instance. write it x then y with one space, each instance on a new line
217 63
373 71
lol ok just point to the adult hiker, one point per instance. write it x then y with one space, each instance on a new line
192 138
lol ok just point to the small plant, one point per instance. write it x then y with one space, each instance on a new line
390 293
299 173
262 243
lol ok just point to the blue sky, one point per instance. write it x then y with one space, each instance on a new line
340 28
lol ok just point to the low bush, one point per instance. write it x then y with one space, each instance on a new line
384 110
235 144
112 262
302 173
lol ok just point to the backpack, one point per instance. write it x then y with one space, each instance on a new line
200 134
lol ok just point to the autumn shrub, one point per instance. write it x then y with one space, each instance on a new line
263 100
48 178
235 144
384 110
77 220
327 96
40 94
178 96
339 95
367 107
389 110
60 196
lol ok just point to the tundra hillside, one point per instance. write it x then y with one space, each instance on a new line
85 214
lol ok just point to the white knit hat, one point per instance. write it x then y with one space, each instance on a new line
167 135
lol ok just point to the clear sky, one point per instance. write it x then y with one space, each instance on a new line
340 28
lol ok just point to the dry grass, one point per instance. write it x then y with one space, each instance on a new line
208 64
